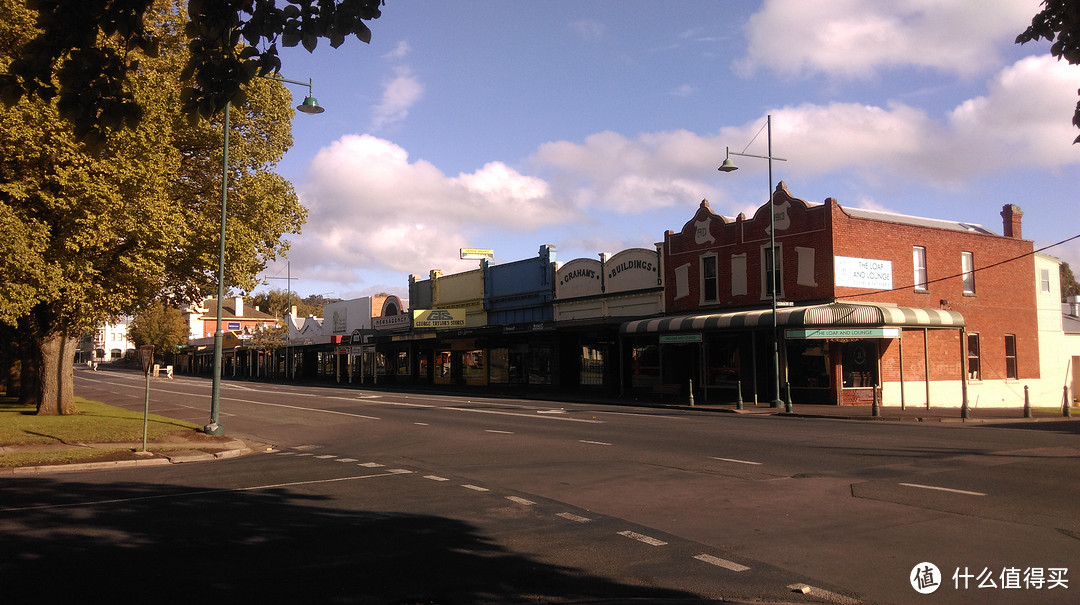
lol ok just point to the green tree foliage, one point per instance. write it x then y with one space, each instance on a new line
277 303
84 54
96 233
159 325
1058 22
1069 286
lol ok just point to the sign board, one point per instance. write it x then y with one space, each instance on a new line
438 318
863 273
392 322
232 325
676 338
146 355
844 333
476 253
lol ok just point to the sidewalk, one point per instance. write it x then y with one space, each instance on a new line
896 414
120 455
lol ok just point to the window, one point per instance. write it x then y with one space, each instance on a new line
738 274
1044 281
772 272
708 279
973 365
919 260
967 263
1010 356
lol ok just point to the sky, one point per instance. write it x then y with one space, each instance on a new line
596 126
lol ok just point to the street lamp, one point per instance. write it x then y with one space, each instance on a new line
729 166
310 106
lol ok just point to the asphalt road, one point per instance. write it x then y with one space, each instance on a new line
384 497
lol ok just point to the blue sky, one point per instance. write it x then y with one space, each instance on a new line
596 126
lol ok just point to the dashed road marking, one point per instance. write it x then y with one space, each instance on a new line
499 432
573 517
943 489
633 535
325 457
346 460
717 561
736 461
371 464
399 471
593 442
305 454
421 424
475 488
521 501
435 478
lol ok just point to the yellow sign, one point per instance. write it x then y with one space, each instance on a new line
438 318
476 253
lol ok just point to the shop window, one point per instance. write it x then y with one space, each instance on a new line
738 274
859 359
592 366
380 363
472 366
499 366
403 368
974 367
967 265
1010 356
708 279
808 364
443 367
919 261
722 362
540 364
645 366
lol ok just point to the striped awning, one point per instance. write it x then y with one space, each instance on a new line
834 314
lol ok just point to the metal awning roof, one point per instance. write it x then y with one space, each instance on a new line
833 314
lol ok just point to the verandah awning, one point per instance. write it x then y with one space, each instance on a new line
833 314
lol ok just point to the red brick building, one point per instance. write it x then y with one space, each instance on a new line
912 310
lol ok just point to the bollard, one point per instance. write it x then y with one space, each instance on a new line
875 408
1027 403
964 409
787 402
1065 402
738 395
691 392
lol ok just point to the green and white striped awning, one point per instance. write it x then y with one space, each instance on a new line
834 314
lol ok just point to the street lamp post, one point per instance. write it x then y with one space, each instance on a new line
311 106
729 166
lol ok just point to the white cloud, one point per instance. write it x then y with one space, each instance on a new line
399 95
856 38
372 208
400 51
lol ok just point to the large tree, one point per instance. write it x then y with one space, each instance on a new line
1058 22
160 325
230 42
1069 286
93 232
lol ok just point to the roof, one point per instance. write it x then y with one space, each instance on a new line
833 314
1070 324
879 215
228 311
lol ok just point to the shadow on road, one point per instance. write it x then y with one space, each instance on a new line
169 544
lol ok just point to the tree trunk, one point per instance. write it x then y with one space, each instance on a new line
56 375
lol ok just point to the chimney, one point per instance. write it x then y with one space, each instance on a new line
238 306
1011 215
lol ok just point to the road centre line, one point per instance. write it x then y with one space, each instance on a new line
717 561
943 489
573 517
594 442
736 461
499 432
633 535
204 492
521 501
435 478
476 488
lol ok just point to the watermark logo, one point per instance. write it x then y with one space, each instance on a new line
925 577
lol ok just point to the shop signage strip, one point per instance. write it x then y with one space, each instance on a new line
844 333
673 338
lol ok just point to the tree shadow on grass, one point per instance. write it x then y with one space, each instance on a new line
167 545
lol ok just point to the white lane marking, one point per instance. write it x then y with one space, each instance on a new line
297 407
421 424
325 456
435 478
736 461
521 501
573 517
717 561
283 453
593 442
550 411
346 459
943 489
642 538
475 488
499 432
201 492
371 464
400 471
821 593
305 454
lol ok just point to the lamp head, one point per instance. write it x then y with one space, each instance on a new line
310 105
728 165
